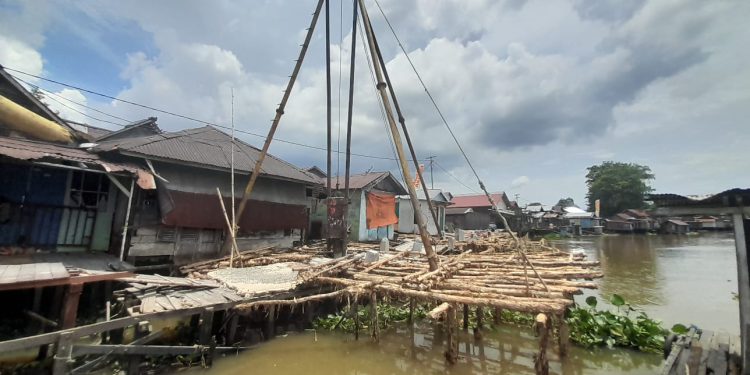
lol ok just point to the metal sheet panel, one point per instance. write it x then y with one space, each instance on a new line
193 210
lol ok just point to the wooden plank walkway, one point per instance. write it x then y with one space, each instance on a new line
22 273
706 352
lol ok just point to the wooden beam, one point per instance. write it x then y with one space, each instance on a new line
151 350
741 225
70 308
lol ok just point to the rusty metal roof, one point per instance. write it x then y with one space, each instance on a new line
479 200
205 147
24 149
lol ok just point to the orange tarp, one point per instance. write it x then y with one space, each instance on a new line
381 210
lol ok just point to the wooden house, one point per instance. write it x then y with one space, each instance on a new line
481 214
675 226
182 221
407 219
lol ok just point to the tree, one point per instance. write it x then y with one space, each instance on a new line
566 202
618 186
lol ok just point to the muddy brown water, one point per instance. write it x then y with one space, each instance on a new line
687 279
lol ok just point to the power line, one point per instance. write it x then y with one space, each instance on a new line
455 178
51 95
185 116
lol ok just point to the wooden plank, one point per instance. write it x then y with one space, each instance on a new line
706 341
11 274
154 350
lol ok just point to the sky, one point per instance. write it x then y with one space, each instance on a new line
535 91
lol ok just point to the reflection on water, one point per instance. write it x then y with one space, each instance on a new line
687 279
676 278
510 350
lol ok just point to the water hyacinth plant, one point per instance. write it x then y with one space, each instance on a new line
625 327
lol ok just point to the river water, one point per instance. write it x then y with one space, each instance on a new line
688 279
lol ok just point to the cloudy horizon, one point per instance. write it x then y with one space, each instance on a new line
535 91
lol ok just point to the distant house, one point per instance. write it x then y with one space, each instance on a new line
675 226
182 221
407 219
642 221
580 220
618 225
372 213
317 172
481 215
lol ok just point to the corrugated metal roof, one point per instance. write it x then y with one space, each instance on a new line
730 198
24 149
368 180
208 147
479 200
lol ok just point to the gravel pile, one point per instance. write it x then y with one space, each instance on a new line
257 280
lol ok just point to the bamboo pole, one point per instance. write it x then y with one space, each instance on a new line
374 316
232 238
424 234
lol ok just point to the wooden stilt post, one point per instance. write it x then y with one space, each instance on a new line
374 316
206 325
356 319
541 364
451 350
63 355
466 318
271 322
496 315
563 337
480 324
70 307
411 311
231 336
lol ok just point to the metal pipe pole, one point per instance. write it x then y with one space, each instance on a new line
431 257
279 113
328 119
349 120
402 121
328 96
127 219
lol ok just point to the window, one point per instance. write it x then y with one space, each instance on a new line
89 190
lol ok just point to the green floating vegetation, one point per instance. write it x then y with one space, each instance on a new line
388 314
589 327
625 327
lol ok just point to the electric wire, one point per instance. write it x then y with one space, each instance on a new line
186 117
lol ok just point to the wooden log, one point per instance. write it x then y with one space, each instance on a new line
530 305
480 323
466 318
206 325
384 261
451 350
374 317
439 311
563 337
541 363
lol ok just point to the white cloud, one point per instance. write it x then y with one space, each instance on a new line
520 181
534 90
19 55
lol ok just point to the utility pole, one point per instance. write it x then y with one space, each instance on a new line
431 158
